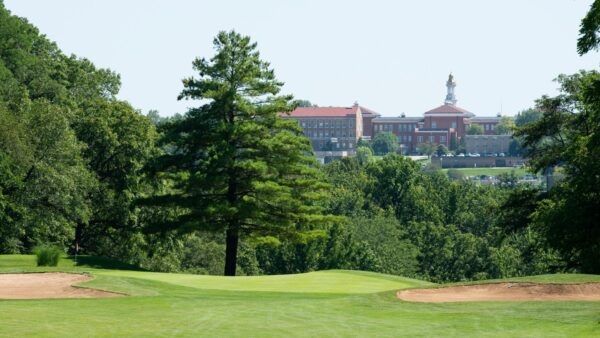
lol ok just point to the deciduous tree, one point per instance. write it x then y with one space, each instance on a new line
385 143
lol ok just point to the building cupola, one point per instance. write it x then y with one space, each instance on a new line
450 97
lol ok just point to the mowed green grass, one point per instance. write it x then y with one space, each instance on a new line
327 303
495 171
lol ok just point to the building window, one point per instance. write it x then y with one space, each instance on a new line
409 138
453 124
433 124
420 139
442 139
431 139
491 127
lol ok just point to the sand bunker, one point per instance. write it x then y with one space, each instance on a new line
504 292
47 285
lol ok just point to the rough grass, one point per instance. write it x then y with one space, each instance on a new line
47 255
328 303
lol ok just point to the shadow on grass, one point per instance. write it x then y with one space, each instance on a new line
102 263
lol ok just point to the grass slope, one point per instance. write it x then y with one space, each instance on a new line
328 303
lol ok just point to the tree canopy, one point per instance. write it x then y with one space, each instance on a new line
71 151
568 136
237 166
589 30
475 129
505 126
385 143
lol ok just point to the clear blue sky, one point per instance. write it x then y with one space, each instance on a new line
391 56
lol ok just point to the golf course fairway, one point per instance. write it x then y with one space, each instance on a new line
325 303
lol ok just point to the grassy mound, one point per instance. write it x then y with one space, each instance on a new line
333 281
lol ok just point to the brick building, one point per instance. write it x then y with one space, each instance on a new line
334 128
339 128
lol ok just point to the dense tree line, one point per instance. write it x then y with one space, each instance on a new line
229 183
70 151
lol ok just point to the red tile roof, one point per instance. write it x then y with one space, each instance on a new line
322 112
447 108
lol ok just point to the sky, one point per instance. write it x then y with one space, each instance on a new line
390 56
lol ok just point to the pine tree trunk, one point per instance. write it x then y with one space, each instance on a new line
231 246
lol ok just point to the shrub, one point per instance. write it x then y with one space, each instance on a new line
47 255
454 174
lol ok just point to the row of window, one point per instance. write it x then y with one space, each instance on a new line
317 134
327 123
399 127
434 124
340 145
431 139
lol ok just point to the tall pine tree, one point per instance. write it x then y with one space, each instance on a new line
237 166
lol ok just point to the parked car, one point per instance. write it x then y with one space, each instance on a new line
460 155
501 155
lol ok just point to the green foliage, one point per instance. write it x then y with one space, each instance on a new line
385 143
527 116
588 31
82 169
453 143
364 155
447 254
236 166
508 180
524 253
568 136
70 151
475 129
10 211
303 103
441 150
363 143
47 255
426 149
515 148
454 174
505 126
392 250
456 229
